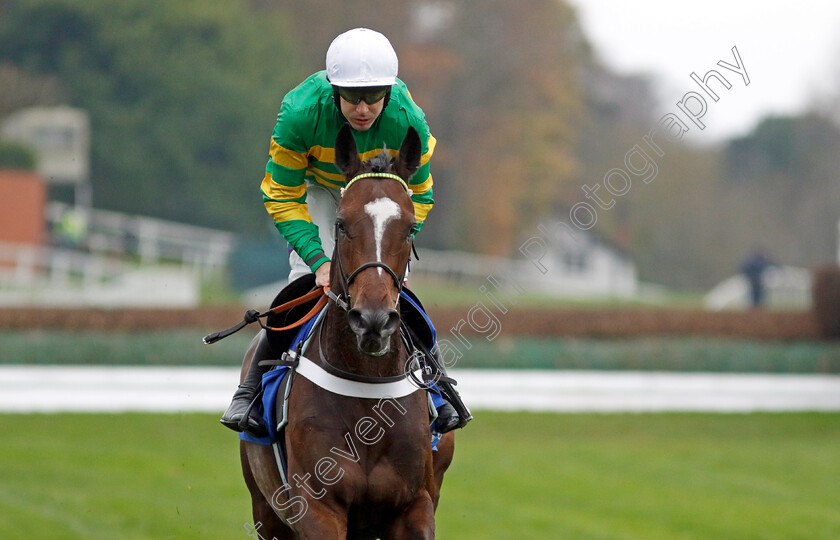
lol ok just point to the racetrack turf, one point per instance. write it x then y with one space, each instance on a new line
516 475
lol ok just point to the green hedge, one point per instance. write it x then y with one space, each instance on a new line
656 354
184 347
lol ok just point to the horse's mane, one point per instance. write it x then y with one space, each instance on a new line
381 162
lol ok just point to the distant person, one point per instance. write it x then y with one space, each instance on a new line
70 229
301 187
754 269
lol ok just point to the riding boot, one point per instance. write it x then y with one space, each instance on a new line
239 415
451 411
447 418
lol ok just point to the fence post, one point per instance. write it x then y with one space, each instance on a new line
826 297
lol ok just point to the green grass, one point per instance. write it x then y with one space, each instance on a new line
184 347
647 476
119 476
515 475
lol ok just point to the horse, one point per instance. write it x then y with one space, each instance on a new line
358 467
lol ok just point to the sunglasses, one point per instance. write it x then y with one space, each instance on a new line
370 94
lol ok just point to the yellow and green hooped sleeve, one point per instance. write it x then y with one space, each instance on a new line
284 195
421 186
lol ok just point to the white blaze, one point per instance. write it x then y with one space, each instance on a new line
380 211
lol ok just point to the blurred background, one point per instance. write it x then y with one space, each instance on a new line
145 126
597 211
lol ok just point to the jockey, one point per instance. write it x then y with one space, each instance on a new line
301 185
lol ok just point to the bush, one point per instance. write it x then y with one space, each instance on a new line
16 156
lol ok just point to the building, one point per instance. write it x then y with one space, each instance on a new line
22 201
60 138
579 265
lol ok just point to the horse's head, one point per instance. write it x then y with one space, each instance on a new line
374 231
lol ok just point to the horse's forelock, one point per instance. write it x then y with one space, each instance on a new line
381 162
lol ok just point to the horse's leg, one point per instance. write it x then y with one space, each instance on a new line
441 461
322 523
267 523
417 522
268 497
261 477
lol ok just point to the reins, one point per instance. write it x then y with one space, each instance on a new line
253 315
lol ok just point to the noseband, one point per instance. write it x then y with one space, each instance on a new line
347 279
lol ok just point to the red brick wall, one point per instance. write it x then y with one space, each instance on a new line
22 198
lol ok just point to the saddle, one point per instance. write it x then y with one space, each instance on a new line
280 342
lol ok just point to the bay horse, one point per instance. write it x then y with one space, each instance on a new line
358 467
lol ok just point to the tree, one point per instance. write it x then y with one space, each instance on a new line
16 156
508 111
782 178
182 97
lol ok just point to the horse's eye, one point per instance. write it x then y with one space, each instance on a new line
340 226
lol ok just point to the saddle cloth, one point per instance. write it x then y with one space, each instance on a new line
276 383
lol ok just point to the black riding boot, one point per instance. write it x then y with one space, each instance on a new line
447 419
270 346
238 415
452 413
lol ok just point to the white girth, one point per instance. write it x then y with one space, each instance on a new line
337 385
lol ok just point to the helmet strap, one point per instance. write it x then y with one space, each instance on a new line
336 99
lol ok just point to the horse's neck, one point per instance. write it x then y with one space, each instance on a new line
337 342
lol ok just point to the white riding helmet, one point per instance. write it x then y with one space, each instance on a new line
361 57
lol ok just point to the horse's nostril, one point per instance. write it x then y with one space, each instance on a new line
392 322
364 321
359 321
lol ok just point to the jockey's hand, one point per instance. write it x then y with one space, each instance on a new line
322 275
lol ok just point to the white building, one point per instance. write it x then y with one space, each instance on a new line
578 265
60 138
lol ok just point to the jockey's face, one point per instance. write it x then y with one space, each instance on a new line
361 116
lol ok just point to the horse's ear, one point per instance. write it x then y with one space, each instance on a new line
410 152
346 156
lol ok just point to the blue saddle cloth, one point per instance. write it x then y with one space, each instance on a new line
272 379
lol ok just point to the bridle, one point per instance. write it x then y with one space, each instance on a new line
342 299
